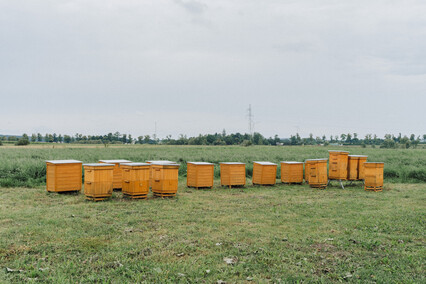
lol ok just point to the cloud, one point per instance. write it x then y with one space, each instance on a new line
193 7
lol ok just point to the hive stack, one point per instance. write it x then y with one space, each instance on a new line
150 170
135 180
373 176
264 173
199 174
118 173
353 167
361 167
232 174
291 172
164 179
317 172
98 181
63 175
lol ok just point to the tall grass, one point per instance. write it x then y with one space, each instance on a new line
26 166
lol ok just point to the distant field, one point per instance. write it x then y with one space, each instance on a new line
269 234
25 166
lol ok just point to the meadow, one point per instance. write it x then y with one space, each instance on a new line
25 166
254 234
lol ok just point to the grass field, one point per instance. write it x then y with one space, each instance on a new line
25 166
278 234
268 234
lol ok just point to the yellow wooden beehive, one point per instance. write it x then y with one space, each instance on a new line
291 172
199 174
373 176
353 167
63 175
232 174
150 171
307 162
264 173
338 167
98 181
135 179
317 172
118 173
164 179
361 168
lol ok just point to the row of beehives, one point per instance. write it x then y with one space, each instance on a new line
135 179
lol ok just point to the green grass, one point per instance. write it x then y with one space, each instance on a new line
279 234
25 166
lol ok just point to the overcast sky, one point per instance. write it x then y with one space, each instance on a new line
194 66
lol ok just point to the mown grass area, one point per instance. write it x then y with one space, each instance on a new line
25 166
279 234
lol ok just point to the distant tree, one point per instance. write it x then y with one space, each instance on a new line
343 137
24 140
12 138
50 138
33 137
46 138
412 137
349 138
416 142
130 139
60 138
424 137
67 139
55 137
39 137
146 139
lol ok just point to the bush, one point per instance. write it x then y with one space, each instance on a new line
246 143
22 142
418 175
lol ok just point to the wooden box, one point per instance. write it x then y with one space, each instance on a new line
264 173
338 167
317 173
307 162
98 181
199 174
291 172
232 174
164 179
150 171
63 175
373 176
118 173
135 179
361 168
353 167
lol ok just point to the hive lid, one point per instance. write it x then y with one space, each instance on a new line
98 165
160 161
323 159
374 163
134 164
63 161
199 163
359 156
265 163
291 162
232 163
115 161
338 151
165 164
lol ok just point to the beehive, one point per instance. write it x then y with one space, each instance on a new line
353 167
361 168
317 172
199 174
307 162
164 179
135 179
118 173
232 174
264 173
338 167
373 176
98 181
150 171
291 172
63 175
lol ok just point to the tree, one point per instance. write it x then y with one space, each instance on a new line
33 137
60 138
147 139
39 137
55 137
349 138
343 137
140 139
124 138
130 139
24 140
67 139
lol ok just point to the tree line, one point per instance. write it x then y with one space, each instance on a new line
388 141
